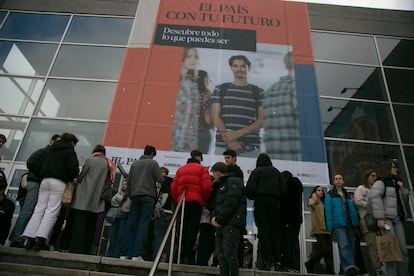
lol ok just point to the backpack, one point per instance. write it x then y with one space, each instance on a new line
255 89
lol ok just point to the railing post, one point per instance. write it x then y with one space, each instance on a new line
171 226
181 233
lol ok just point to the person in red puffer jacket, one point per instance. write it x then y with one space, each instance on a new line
195 180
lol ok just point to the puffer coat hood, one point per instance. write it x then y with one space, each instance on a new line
263 160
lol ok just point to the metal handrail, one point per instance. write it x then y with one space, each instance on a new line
171 227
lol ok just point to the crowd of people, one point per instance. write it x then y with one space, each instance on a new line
214 213
215 209
342 216
140 211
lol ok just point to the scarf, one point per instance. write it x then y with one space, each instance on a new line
111 166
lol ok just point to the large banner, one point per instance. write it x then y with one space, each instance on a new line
216 75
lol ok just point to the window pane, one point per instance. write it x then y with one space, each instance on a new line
349 81
308 225
77 99
31 59
99 30
409 156
347 48
40 131
2 16
13 188
19 95
404 115
351 159
396 52
400 84
31 26
88 62
357 120
12 128
17 176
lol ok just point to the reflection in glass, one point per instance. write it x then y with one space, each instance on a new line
40 131
31 59
88 62
344 47
2 16
396 52
339 80
99 30
12 128
34 26
351 158
77 99
357 120
17 176
400 84
19 95
404 115
409 156
12 194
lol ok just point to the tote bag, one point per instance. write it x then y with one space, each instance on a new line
388 249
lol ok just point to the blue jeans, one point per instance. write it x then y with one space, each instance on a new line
26 211
160 225
139 218
116 232
400 267
345 237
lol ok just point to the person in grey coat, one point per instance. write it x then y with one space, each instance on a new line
87 202
387 197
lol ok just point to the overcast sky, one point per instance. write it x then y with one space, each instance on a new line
407 5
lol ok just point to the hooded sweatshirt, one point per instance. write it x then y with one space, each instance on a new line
265 180
60 162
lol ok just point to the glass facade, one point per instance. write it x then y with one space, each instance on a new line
58 73
366 102
55 68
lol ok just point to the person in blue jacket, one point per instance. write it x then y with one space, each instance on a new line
342 219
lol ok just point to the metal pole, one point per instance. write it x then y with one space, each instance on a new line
181 232
171 226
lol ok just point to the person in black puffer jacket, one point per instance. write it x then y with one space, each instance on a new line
266 187
229 218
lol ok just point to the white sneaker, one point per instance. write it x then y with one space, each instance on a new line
139 259
123 257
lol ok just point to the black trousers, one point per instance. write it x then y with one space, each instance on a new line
323 249
291 249
192 216
267 218
83 231
205 243
227 244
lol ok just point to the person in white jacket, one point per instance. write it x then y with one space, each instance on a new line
388 197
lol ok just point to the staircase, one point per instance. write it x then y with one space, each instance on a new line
17 262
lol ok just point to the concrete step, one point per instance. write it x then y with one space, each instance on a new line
18 261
